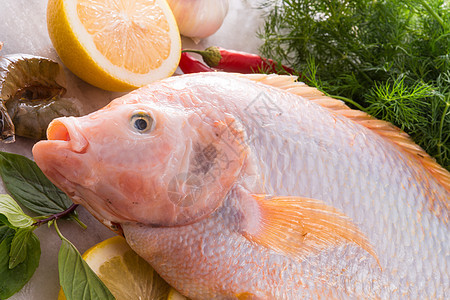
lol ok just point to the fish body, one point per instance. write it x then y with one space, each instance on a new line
259 187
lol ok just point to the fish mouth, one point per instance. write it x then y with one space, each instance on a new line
59 159
59 153
56 158
65 129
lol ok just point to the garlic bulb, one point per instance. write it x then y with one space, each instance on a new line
199 18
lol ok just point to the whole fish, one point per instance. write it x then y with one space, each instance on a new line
259 187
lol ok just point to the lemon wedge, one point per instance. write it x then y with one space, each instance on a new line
115 45
174 295
126 274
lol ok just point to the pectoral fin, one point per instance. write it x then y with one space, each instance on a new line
299 226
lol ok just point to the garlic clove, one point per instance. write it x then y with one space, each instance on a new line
198 19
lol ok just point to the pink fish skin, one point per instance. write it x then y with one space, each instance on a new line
242 187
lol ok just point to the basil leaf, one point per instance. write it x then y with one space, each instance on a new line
5 230
77 279
4 221
12 280
13 213
26 183
19 243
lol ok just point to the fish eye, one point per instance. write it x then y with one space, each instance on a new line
142 122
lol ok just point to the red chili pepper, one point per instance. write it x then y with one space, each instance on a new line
240 62
188 65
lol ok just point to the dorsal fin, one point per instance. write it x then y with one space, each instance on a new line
385 129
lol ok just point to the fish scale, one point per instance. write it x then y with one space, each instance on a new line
318 183
216 232
289 149
395 166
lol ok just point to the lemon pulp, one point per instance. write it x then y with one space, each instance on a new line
125 273
115 45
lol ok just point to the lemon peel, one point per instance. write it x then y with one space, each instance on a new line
115 45
126 274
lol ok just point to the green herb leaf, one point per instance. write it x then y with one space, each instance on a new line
18 251
5 231
76 277
26 183
398 103
15 217
12 280
388 58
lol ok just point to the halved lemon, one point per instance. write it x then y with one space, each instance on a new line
126 274
115 45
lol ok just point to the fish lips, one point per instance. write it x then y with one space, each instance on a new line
60 153
66 129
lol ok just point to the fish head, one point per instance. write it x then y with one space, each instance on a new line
150 162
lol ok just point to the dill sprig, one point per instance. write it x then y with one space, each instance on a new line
399 103
390 58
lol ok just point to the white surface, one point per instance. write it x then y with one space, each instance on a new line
23 30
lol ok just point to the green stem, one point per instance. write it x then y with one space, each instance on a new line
211 55
59 232
433 13
355 104
329 46
74 217
59 215
441 126
201 52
